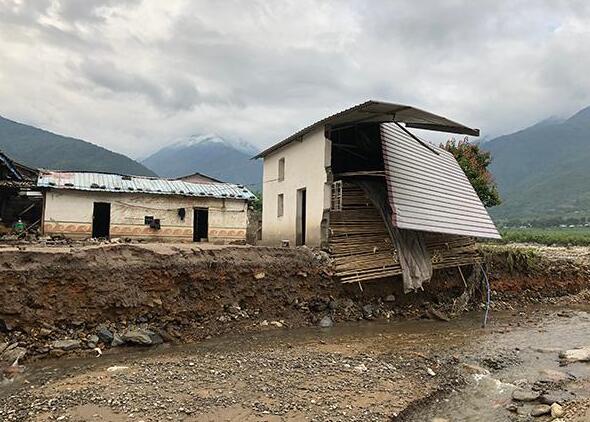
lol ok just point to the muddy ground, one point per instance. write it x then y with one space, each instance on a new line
185 293
368 371
253 299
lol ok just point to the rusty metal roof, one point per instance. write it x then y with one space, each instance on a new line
379 112
107 182
428 190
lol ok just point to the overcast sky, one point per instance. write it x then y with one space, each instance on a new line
135 75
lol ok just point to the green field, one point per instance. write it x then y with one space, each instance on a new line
577 236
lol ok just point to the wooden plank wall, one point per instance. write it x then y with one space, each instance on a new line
362 249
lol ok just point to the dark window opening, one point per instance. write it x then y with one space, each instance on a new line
280 205
281 169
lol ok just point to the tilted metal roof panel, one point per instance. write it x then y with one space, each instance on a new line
427 188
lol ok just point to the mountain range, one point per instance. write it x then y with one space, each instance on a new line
220 158
42 149
543 171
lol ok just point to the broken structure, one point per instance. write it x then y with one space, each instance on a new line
382 201
19 199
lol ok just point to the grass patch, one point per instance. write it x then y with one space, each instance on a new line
576 236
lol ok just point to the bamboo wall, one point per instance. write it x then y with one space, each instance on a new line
362 249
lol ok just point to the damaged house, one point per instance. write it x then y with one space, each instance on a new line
382 201
19 199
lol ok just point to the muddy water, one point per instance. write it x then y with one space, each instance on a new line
526 354
517 346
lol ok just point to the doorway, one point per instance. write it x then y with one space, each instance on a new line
301 217
200 224
101 220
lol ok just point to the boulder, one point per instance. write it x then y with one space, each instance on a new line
138 337
105 335
92 338
552 376
524 395
326 322
368 311
117 340
389 298
575 355
540 410
66 344
11 354
556 410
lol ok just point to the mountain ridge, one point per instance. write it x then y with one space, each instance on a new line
221 158
41 148
541 170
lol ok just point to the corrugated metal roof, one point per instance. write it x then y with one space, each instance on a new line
378 112
106 182
428 190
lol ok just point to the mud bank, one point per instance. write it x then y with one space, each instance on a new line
185 293
531 273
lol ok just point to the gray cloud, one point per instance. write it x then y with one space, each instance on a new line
134 75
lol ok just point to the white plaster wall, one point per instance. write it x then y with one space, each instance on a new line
305 167
69 212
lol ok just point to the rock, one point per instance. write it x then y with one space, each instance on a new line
436 314
575 355
560 397
45 332
389 298
259 276
92 338
66 344
326 322
430 372
511 407
105 335
360 368
552 376
557 410
117 340
524 395
138 337
156 339
3 347
368 311
277 324
540 410
13 353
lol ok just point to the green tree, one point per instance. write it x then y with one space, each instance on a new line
474 162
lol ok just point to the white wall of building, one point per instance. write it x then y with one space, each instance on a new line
69 212
305 167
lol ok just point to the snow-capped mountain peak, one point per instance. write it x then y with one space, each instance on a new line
211 138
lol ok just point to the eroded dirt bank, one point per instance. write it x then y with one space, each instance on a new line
183 293
62 300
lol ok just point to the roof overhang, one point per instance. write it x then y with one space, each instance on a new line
380 112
